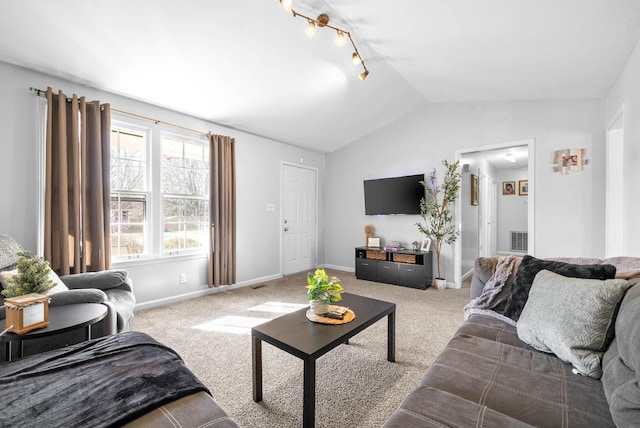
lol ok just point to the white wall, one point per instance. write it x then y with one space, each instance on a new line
512 209
419 142
258 183
627 91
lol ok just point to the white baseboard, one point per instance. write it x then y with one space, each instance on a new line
335 267
203 292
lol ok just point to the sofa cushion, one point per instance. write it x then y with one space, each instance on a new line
621 363
489 370
572 318
103 280
529 268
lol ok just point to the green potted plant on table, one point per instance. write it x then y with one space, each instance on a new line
322 291
32 277
434 210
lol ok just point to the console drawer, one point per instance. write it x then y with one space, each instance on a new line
413 276
366 269
387 272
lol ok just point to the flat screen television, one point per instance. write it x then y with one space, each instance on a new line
396 195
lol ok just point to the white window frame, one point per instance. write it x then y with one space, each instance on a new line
154 233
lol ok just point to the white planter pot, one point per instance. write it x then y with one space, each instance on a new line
319 307
440 283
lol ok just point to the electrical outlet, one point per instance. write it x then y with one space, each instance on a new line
183 278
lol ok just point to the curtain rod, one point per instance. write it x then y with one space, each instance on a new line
41 93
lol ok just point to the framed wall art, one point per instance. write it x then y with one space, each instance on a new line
523 187
474 189
508 187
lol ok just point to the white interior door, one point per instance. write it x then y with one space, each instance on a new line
299 219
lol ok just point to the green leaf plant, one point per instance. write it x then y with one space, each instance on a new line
32 277
321 287
435 208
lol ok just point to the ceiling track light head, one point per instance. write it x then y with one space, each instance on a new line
287 5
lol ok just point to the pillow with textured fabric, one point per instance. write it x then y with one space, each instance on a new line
58 285
572 318
5 275
529 268
9 249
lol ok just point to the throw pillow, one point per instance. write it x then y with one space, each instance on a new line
58 285
572 318
530 266
6 275
9 250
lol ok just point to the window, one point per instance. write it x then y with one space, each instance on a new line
159 192
185 191
129 192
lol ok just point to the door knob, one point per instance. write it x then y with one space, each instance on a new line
286 229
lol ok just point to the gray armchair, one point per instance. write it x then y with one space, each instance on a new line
112 288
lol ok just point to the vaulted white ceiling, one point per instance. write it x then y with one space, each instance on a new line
247 64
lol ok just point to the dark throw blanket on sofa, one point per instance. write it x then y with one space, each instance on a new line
104 382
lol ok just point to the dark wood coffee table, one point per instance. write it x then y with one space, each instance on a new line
307 340
62 319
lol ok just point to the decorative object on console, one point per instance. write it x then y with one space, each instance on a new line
373 242
322 291
426 245
415 245
368 231
434 210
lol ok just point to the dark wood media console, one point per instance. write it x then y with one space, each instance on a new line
408 268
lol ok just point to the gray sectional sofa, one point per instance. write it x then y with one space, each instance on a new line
489 376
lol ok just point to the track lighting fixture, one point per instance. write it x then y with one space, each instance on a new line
287 4
323 21
311 29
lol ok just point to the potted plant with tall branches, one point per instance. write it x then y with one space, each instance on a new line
435 211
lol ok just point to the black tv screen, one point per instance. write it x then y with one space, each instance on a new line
397 195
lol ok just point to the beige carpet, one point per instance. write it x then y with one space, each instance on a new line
356 385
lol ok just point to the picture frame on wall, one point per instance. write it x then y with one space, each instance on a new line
508 187
523 187
474 189
426 245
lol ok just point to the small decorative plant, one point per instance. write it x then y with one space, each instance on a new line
32 277
321 287
434 209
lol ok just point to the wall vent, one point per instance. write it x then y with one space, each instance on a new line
519 241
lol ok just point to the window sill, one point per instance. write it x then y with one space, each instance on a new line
157 260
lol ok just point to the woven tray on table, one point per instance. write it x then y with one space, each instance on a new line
348 317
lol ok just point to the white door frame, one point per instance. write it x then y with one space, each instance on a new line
457 248
281 220
615 216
